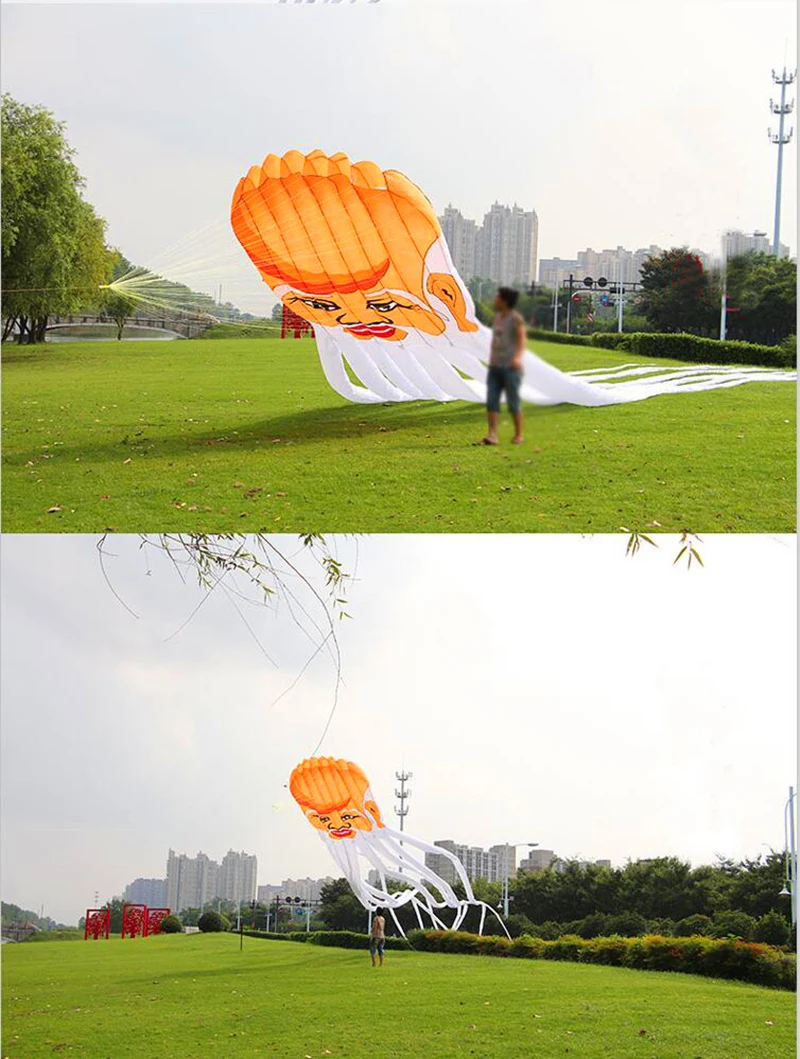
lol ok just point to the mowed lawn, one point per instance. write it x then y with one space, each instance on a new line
198 996
237 435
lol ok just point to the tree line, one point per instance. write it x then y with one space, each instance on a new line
665 895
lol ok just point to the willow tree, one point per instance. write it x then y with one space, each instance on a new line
54 253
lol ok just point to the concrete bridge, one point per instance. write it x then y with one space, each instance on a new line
184 328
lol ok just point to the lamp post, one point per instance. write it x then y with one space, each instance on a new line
790 855
509 846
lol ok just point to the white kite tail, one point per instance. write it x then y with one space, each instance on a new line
394 856
453 366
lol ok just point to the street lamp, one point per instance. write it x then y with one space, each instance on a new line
790 855
511 845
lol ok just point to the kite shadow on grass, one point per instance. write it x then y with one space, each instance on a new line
347 424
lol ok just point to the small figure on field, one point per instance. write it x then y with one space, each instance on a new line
377 938
505 364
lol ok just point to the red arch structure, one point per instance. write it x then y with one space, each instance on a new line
290 321
134 921
155 917
98 923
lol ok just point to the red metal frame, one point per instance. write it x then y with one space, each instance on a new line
290 321
134 921
155 917
98 923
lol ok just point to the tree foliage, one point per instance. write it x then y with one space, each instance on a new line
677 294
54 253
212 922
762 292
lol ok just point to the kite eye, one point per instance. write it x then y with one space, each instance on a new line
383 307
314 303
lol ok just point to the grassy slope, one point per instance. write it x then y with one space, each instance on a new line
240 435
197 996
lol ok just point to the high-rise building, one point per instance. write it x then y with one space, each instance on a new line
478 863
537 860
736 243
618 264
150 892
553 270
460 234
237 877
503 249
308 889
194 881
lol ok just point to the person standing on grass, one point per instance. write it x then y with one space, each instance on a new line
505 364
377 939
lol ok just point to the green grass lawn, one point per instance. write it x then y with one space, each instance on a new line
235 435
198 996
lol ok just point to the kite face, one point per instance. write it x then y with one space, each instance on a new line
347 246
335 798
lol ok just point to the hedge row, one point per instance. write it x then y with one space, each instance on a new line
715 957
340 939
690 348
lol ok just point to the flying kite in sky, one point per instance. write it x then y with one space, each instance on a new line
337 801
359 253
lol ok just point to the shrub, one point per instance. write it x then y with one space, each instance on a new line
706 350
55 935
518 924
171 925
527 947
610 339
628 924
692 925
773 929
593 926
559 336
718 958
733 924
689 348
212 922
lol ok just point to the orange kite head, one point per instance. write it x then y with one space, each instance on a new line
335 797
345 244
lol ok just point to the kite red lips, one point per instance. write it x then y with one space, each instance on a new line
371 330
341 832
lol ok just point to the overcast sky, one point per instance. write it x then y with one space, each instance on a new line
629 122
540 689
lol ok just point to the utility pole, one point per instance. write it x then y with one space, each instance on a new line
790 855
403 794
781 109
569 303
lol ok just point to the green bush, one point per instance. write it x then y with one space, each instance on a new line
55 935
692 925
171 925
733 924
707 350
212 922
718 958
773 928
560 337
689 348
